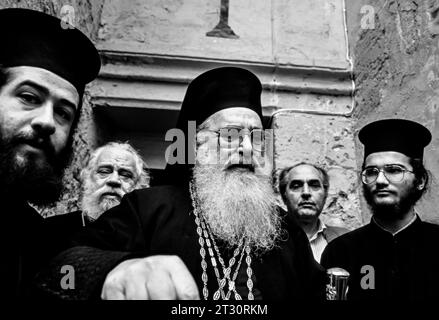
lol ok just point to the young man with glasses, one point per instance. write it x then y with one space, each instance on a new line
393 257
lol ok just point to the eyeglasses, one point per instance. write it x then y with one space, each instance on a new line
392 172
232 137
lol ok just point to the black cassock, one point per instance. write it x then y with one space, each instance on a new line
404 266
159 221
28 242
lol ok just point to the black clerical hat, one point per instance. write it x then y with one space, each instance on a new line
210 92
35 39
400 135
219 89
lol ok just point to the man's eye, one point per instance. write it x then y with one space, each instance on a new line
104 170
66 115
229 134
29 98
315 185
371 171
295 185
394 169
126 174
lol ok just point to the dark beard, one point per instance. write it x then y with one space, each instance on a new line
38 183
390 212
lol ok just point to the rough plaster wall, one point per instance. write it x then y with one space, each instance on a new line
87 14
284 31
397 75
327 141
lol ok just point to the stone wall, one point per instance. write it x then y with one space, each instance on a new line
395 50
297 48
152 49
303 64
326 140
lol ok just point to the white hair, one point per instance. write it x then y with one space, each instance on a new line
142 177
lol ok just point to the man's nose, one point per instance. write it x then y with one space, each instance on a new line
247 141
245 144
246 147
381 178
44 121
114 180
305 191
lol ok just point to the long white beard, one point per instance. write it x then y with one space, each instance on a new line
238 204
91 205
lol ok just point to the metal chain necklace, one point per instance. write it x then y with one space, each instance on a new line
205 237
227 270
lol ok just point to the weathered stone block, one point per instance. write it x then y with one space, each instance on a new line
310 33
396 73
328 141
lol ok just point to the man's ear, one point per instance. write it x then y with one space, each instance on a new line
421 183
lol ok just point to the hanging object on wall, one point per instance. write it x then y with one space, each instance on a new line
222 29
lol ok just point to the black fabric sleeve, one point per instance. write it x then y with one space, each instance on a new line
90 267
118 229
314 273
329 257
116 236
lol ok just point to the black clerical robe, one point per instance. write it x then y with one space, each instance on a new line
159 221
385 266
28 241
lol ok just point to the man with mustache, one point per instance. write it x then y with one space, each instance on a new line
304 189
112 170
43 71
392 257
216 234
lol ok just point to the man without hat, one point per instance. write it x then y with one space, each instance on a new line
43 71
216 234
112 170
304 189
394 256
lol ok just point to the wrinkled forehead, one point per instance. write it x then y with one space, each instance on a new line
240 117
304 172
51 82
115 156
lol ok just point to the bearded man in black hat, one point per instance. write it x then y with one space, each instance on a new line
216 234
43 71
393 257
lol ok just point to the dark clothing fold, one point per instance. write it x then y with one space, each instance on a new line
385 266
159 221
28 241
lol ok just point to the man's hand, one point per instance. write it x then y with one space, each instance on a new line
151 278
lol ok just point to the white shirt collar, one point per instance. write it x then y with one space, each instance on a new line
320 229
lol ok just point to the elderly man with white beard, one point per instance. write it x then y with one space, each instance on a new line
216 234
113 170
